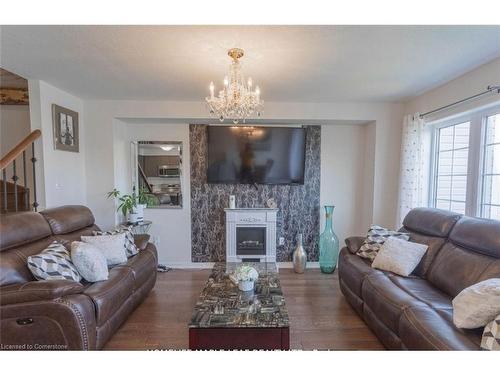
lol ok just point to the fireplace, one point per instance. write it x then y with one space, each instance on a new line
251 234
250 240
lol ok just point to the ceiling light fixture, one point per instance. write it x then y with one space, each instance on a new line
237 100
167 148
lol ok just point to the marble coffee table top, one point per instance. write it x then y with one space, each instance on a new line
222 304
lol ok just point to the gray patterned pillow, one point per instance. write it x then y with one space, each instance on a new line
491 335
53 263
130 247
375 239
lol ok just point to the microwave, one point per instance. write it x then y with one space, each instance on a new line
169 171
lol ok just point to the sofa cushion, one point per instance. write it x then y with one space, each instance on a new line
434 244
13 266
109 295
353 270
143 265
431 221
66 219
423 328
22 228
478 235
38 291
386 300
456 268
423 291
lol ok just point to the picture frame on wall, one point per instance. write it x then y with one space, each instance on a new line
65 129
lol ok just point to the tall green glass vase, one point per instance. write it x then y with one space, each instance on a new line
328 245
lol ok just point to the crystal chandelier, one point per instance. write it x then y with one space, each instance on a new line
237 100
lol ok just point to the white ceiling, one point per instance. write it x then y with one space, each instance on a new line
290 63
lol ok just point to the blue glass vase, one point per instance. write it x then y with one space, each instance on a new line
328 245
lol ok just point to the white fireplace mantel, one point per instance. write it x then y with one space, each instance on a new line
251 217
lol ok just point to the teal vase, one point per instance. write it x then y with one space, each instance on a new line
328 245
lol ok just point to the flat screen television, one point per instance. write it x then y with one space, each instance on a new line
256 155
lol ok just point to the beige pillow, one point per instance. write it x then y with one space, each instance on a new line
399 256
112 246
89 261
477 305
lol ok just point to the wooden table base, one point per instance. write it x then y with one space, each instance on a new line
239 338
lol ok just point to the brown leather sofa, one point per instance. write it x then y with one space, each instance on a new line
416 312
61 314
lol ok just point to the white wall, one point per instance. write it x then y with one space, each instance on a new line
102 115
464 86
347 170
61 178
14 126
171 229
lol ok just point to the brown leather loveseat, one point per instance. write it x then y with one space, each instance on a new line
416 312
62 314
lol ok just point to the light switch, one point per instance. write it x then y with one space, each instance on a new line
282 241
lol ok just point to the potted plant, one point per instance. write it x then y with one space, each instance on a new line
128 205
245 276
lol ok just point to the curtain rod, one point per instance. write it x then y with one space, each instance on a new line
488 90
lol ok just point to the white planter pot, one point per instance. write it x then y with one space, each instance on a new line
140 211
246 286
133 217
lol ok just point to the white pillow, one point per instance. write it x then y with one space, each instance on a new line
399 256
477 305
89 261
112 246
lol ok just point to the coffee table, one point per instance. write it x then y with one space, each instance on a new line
224 318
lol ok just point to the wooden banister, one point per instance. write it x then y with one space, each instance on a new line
18 150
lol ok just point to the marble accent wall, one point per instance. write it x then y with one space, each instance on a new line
298 205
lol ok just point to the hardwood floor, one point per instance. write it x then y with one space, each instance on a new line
320 318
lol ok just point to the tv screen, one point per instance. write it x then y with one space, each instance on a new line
256 155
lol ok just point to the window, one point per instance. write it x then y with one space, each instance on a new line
466 164
490 195
451 174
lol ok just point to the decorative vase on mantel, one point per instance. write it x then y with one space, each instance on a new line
328 244
299 256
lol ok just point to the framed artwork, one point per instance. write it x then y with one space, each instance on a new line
65 124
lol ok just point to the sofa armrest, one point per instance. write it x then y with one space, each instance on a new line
354 243
38 291
141 240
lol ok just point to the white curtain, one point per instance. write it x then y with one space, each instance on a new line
411 176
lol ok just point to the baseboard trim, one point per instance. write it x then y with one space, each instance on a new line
208 265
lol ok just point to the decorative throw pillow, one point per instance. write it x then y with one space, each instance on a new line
399 256
130 247
112 247
477 305
375 239
491 335
53 263
89 261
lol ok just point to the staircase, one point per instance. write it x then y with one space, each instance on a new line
18 177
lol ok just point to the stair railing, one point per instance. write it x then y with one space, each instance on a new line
10 159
